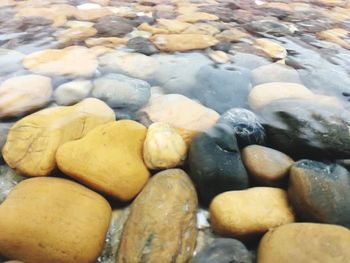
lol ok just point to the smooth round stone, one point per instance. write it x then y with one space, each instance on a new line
215 163
216 89
32 141
81 214
307 129
264 94
266 165
163 147
246 126
178 73
223 250
142 45
72 92
120 91
113 26
275 73
8 180
248 213
74 61
182 42
88 160
134 65
304 243
24 94
168 199
320 192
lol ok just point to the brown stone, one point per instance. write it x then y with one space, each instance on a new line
162 223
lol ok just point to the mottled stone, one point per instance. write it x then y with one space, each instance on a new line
169 199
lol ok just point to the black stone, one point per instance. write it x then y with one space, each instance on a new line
224 250
246 126
215 163
306 129
320 192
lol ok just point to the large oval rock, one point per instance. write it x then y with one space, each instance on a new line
223 250
307 129
164 147
108 159
23 94
162 223
120 91
53 220
320 192
305 243
246 214
246 126
32 141
215 163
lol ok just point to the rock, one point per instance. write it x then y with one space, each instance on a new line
164 147
320 192
8 180
32 226
231 35
335 35
108 42
142 45
266 166
32 141
62 62
72 92
182 42
246 126
264 94
120 91
305 242
78 24
178 73
74 35
248 213
223 250
88 160
215 163
110 251
24 94
272 49
197 16
10 61
307 129
4 130
222 87
169 199
272 27
173 26
202 29
248 61
218 56
134 65
196 117
275 73
93 14
113 26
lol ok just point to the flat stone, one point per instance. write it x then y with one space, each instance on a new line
81 214
32 142
74 35
169 199
24 94
88 160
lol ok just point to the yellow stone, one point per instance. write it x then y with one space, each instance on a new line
53 220
152 29
164 147
32 142
232 35
248 213
57 18
92 14
196 17
108 159
201 28
335 35
183 42
109 42
76 23
72 61
76 34
271 48
173 26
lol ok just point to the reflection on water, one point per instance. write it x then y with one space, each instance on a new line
227 76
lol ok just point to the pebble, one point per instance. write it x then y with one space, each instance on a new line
122 92
72 92
88 160
81 214
163 147
246 214
32 142
24 94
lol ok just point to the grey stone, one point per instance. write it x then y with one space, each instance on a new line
8 180
72 92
